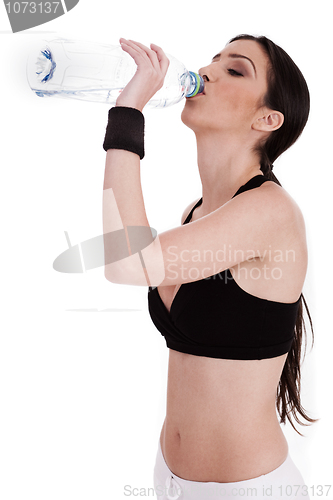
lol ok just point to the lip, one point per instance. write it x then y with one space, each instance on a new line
198 95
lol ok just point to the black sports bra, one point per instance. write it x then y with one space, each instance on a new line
216 318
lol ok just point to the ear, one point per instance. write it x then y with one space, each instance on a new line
268 121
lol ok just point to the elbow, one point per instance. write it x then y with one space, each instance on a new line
115 274
125 273
146 269
133 273
109 276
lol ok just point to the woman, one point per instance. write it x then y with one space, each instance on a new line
225 286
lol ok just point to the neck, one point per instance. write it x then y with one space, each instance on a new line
225 164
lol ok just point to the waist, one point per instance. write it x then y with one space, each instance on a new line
221 458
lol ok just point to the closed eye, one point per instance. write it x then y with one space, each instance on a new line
234 72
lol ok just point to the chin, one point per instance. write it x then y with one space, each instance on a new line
190 116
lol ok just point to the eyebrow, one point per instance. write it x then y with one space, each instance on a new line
238 56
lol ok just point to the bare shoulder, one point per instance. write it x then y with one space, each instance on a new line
282 207
188 209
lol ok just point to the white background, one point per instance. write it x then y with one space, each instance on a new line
82 394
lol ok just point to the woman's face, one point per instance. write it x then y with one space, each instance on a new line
236 82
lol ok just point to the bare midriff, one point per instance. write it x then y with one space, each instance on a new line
221 423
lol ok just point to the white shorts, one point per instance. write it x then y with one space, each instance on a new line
283 483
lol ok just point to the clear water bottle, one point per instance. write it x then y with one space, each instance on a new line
98 72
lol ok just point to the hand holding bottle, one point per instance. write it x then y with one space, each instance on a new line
152 65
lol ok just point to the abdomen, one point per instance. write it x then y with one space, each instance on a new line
221 423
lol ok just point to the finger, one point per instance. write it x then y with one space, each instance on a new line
131 51
136 53
151 54
140 50
156 55
133 45
162 58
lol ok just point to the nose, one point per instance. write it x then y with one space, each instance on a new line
203 73
208 73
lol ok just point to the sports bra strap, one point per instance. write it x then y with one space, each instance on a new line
256 181
189 217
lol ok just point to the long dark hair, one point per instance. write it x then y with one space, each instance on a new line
288 93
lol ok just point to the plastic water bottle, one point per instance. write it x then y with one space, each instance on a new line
98 72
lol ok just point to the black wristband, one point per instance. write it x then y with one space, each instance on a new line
125 130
